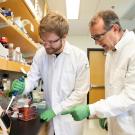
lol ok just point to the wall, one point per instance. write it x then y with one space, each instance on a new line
82 42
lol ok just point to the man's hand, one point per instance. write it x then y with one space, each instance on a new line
103 123
79 112
18 86
47 115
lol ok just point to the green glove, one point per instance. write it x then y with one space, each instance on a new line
18 86
47 115
79 112
103 123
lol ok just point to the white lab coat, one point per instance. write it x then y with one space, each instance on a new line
65 82
119 104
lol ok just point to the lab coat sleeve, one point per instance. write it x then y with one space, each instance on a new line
123 102
81 87
33 75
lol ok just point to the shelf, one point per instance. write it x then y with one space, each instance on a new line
3 64
16 36
12 66
20 8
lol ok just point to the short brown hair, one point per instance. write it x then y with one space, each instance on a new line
54 22
109 17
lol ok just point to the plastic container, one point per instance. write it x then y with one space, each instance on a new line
40 106
27 113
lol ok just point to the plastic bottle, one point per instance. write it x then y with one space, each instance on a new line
11 51
18 54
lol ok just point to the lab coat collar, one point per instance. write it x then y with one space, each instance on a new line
67 48
128 35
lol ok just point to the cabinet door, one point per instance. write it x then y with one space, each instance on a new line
97 63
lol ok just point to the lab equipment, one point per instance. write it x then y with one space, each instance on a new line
18 86
27 113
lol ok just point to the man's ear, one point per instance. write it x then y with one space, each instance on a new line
116 27
65 35
64 38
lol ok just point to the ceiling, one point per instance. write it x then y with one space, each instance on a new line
124 8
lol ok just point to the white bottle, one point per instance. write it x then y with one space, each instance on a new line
18 55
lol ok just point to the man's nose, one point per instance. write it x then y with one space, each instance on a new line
97 42
47 45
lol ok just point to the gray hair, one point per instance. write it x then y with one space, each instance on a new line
109 17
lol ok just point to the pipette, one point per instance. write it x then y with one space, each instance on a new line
14 94
13 97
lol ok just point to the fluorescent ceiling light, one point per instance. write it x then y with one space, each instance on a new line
72 8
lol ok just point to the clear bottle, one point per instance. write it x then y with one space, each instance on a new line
11 51
18 55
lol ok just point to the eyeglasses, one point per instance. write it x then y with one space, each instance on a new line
51 42
99 37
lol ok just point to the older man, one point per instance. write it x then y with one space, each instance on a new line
119 104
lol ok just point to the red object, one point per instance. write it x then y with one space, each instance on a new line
3 40
27 113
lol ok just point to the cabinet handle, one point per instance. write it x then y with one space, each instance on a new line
96 86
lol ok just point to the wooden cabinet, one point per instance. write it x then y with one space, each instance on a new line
16 36
13 33
97 63
20 8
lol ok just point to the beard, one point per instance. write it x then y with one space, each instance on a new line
54 50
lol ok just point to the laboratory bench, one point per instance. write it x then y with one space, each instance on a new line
19 127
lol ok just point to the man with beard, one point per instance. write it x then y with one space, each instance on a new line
64 70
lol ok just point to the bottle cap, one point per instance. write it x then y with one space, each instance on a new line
18 49
11 45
